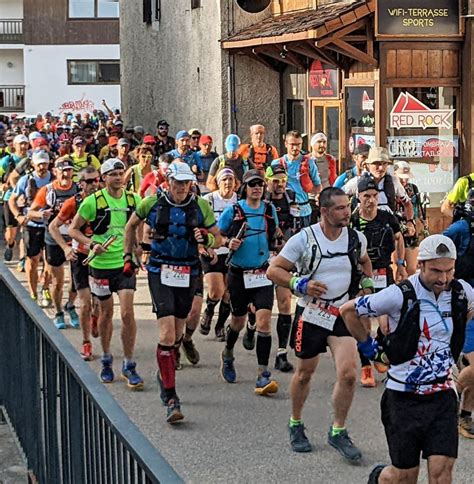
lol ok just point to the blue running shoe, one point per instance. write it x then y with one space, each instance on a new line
133 379
227 368
265 384
73 315
107 372
59 321
298 440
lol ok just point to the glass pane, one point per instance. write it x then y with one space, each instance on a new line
318 119
108 8
83 72
109 72
332 130
81 8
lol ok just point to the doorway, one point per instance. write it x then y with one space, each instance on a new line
325 116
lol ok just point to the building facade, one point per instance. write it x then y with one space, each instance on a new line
58 55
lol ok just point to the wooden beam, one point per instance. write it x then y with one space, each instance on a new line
355 53
326 56
274 52
260 58
341 33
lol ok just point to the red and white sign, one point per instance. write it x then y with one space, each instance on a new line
423 147
367 103
409 112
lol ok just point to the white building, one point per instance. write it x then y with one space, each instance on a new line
58 55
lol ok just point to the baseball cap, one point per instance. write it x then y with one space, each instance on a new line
78 140
180 171
20 138
39 142
34 135
378 153
39 157
149 140
182 134
275 170
194 132
436 246
123 142
252 175
362 149
113 141
403 170
63 163
139 129
205 138
232 143
64 137
162 122
366 182
110 165
223 173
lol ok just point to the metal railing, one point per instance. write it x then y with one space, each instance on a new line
12 98
68 425
11 31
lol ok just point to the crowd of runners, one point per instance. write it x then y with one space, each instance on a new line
223 237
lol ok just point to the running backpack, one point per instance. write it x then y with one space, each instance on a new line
389 190
268 155
304 174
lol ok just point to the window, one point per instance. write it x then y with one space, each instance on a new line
195 4
93 71
151 11
93 8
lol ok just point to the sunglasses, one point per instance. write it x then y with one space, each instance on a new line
256 183
279 180
146 154
195 137
90 181
162 127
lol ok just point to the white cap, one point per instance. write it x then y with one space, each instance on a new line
111 164
33 135
403 169
318 137
436 247
39 157
180 171
20 138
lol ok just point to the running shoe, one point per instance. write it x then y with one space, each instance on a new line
173 412
73 316
375 473
190 351
367 379
344 445
133 379
94 326
466 427
46 299
20 267
220 333
227 368
265 385
282 363
107 372
298 440
8 254
86 351
249 339
205 325
34 297
59 321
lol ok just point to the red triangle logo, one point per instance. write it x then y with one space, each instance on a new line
414 104
399 103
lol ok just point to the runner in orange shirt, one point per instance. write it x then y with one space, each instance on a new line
258 152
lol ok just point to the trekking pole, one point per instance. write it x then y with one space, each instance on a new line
239 236
105 245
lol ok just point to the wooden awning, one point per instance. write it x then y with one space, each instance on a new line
338 33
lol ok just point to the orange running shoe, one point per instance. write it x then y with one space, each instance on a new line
86 352
367 379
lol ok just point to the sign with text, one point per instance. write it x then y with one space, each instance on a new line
423 147
323 80
418 18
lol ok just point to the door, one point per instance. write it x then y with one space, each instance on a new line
325 116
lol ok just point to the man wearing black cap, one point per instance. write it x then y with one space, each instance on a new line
80 158
361 152
164 143
250 228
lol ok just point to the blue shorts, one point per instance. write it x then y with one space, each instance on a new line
469 341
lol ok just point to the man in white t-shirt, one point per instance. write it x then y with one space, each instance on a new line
419 405
327 256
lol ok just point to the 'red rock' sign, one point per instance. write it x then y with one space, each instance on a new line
409 112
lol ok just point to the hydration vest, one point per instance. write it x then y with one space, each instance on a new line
389 190
289 218
103 216
55 198
268 155
458 210
304 175
401 345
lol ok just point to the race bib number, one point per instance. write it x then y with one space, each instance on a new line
175 276
256 278
321 315
99 287
380 278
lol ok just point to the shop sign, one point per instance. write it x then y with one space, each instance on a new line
423 147
323 80
418 18
409 112
367 103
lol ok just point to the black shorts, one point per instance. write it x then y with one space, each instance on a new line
55 255
419 424
240 297
219 266
104 282
34 240
8 218
309 340
171 301
80 273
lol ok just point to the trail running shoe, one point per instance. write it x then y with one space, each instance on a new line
73 316
367 379
344 445
205 325
227 368
86 351
466 427
8 254
34 297
59 321
249 339
265 385
190 351
131 376
46 299
107 372
282 363
173 412
375 473
298 440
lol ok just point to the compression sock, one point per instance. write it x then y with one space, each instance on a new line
188 334
337 430
211 305
165 357
224 312
263 348
252 321
294 422
283 330
231 339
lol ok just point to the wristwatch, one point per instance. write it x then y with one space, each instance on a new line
401 262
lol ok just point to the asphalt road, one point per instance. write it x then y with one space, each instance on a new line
232 435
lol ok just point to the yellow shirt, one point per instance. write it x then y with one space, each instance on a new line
84 162
458 193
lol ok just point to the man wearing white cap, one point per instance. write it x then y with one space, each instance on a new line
427 317
326 163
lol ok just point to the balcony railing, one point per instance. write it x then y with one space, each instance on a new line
11 31
12 98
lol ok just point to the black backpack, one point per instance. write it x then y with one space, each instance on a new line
401 345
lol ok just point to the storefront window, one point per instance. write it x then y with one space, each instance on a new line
422 129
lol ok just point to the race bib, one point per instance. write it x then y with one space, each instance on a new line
175 276
380 278
321 314
256 278
99 287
